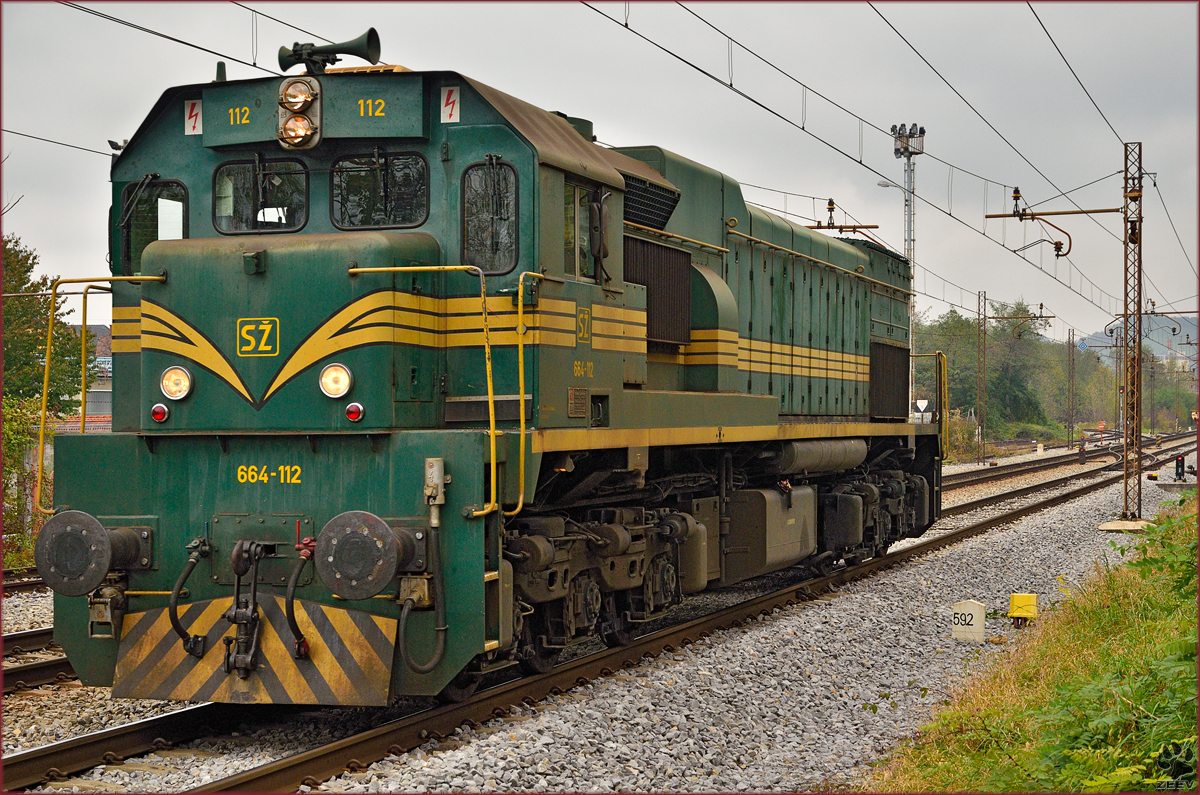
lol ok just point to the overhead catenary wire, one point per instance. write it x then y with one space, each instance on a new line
59 143
807 88
786 120
281 22
1173 229
152 32
1010 144
1073 74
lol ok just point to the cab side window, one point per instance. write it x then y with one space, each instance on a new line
489 215
260 196
577 256
150 210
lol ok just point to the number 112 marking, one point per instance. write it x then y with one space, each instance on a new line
370 107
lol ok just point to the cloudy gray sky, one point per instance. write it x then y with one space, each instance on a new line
79 79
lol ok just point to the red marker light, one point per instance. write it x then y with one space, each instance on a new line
354 412
159 412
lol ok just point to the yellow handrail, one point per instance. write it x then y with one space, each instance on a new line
83 358
521 378
37 488
487 354
941 370
817 261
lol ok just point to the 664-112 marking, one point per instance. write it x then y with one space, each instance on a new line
253 474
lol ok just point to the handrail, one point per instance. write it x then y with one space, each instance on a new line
817 261
941 369
83 358
521 378
37 488
487 354
674 236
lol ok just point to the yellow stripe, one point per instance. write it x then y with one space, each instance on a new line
126 312
725 335
127 346
626 346
619 314
608 438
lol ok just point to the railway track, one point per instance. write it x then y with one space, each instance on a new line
60 760
34 673
987 474
22 580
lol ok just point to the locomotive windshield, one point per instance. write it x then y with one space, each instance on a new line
260 196
151 210
380 190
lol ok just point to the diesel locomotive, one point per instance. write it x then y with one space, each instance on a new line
413 381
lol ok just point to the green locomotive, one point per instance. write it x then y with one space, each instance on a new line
413 381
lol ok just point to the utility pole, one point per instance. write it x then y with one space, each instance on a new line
981 372
1132 414
1131 367
1070 387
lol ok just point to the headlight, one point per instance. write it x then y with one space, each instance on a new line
336 380
296 95
297 130
176 383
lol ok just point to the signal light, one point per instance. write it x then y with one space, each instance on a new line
159 412
299 120
296 95
355 412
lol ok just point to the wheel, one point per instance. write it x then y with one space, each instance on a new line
534 658
460 688
612 622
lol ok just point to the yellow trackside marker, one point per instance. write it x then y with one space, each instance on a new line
1022 607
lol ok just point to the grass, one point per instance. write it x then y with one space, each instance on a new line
1088 697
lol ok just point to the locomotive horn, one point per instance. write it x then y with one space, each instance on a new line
315 58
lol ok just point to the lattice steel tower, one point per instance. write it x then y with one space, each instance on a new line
1132 327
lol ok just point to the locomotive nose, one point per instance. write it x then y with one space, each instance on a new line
74 552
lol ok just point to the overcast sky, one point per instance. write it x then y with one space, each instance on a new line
79 79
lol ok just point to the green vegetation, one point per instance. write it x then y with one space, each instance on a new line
25 317
1087 700
25 334
20 446
1027 379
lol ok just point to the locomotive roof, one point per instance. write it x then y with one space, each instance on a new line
557 143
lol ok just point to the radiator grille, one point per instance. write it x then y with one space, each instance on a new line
889 381
667 275
648 204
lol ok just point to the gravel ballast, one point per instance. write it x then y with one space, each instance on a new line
27 610
774 705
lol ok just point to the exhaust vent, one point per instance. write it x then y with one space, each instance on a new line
648 204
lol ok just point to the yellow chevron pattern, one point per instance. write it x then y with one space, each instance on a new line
163 330
349 663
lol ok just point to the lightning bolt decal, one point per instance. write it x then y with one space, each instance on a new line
451 102
193 116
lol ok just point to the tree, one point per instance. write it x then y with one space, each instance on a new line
25 321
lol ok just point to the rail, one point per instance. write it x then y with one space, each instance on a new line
487 354
521 380
83 357
943 393
820 262
37 488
